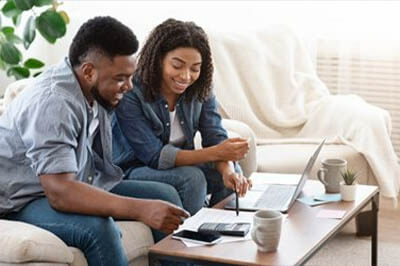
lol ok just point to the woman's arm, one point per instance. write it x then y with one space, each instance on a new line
141 127
233 149
215 142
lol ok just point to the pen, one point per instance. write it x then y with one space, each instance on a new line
237 202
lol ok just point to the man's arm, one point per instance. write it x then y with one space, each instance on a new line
68 195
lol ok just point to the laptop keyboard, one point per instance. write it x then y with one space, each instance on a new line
275 197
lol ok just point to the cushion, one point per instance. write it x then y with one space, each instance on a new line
292 158
136 240
22 242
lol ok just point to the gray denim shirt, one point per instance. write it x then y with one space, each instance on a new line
45 131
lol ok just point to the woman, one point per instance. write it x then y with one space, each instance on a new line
155 123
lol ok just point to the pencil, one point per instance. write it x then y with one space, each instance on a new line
237 203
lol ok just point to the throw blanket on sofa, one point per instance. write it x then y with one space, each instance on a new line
267 80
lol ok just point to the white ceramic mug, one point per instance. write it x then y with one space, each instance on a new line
266 231
330 174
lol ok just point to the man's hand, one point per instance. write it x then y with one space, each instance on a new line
233 149
163 216
237 182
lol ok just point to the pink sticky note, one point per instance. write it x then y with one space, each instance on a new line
331 214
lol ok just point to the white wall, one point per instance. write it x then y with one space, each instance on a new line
332 19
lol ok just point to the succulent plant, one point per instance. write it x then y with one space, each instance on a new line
349 177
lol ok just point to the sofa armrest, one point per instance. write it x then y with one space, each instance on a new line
248 164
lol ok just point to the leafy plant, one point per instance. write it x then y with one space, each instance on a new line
349 177
44 17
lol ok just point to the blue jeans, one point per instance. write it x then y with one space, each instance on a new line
98 238
191 182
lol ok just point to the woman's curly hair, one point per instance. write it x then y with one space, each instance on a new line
170 35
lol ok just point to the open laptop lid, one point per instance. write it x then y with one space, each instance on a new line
305 175
298 187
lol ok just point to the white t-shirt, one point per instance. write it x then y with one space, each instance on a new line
176 137
94 124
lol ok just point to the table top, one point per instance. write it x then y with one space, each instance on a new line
302 234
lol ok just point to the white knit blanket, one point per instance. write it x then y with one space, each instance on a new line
267 80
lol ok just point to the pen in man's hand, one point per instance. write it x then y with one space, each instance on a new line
237 202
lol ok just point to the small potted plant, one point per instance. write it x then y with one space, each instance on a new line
348 185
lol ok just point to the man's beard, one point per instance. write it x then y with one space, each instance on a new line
101 100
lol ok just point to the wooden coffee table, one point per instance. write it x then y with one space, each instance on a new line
303 234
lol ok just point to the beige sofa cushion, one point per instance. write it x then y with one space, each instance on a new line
292 158
136 240
21 242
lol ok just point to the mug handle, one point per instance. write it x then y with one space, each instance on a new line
254 236
321 175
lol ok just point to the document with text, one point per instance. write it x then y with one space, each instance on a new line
209 215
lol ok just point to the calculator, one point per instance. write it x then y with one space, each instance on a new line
232 229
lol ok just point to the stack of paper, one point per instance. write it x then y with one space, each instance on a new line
209 215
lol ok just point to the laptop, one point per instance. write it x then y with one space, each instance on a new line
278 195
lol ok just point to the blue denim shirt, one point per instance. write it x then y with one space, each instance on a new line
45 131
141 129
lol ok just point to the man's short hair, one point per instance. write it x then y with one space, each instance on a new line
105 35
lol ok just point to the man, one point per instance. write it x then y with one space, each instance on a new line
55 150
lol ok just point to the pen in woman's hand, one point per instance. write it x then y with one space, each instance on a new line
237 201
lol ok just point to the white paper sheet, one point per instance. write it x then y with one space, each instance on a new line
216 216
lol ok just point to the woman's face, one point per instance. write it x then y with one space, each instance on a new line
180 69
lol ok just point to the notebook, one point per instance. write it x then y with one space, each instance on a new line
277 196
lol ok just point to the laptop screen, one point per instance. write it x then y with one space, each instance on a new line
306 172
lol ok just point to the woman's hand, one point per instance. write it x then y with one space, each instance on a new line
233 149
237 182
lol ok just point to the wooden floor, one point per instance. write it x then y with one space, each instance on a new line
388 221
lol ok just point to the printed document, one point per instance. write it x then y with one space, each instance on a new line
208 215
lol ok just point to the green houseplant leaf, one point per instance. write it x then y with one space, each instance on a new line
33 63
42 2
24 4
349 177
10 10
50 22
51 25
10 54
65 16
29 32
16 20
37 74
7 30
10 36
18 72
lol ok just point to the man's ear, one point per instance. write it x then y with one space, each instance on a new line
89 73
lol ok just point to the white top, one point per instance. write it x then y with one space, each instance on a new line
176 137
94 124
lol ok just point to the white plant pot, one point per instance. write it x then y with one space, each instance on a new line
348 192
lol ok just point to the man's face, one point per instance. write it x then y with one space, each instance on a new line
113 79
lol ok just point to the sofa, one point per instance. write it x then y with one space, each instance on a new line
28 245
